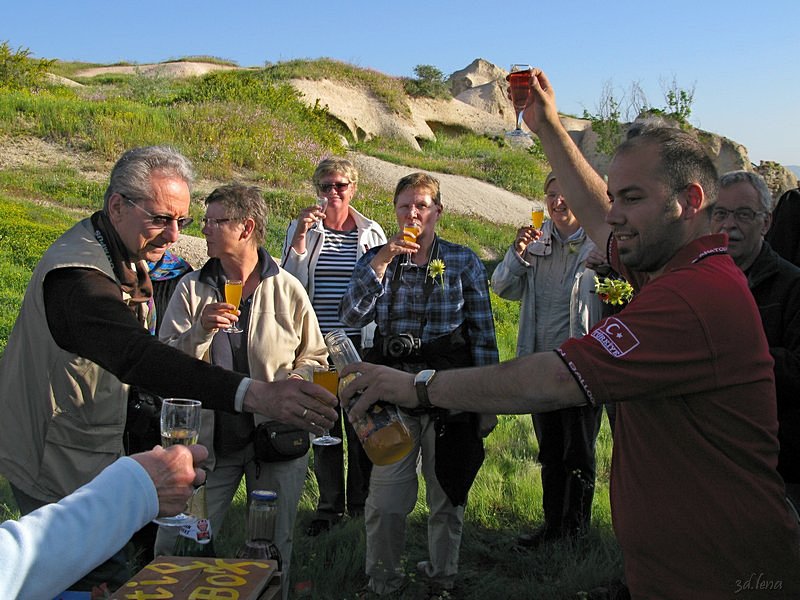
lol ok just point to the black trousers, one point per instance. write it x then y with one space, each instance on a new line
567 454
337 493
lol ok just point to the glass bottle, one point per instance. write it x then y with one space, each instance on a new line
261 515
381 431
196 539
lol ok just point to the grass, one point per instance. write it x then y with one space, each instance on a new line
251 126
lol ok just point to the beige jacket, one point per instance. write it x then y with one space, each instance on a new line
283 336
63 415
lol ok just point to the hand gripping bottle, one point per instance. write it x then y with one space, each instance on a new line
385 437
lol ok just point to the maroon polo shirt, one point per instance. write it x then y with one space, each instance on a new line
697 504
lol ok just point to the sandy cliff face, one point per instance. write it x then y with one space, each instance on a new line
479 105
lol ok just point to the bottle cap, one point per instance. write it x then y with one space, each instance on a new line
267 495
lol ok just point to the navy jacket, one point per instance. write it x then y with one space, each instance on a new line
775 284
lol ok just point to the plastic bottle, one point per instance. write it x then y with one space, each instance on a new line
385 437
196 539
261 515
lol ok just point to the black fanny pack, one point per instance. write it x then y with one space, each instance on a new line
279 442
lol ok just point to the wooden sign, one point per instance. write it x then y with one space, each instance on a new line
194 578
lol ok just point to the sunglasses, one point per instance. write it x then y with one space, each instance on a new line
339 185
161 221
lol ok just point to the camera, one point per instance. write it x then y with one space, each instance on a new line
401 345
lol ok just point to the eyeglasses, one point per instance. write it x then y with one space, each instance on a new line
742 215
339 185
553 196
161 221
215 223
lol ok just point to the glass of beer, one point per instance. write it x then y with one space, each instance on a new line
519 79
180 424
233 295
328 378
537 217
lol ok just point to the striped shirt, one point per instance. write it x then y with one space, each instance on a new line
332 276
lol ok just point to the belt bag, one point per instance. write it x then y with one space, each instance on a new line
278 442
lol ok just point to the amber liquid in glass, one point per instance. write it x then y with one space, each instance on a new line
537 217
385 440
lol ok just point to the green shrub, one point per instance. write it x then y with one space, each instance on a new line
430 83
18 71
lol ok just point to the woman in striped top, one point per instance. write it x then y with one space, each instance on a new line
321 248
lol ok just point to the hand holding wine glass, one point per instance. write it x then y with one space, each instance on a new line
180 424
233 295
328 378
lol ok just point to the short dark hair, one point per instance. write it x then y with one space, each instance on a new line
241 202
684 160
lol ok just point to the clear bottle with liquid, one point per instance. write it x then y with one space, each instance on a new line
381 431
196 539
261 515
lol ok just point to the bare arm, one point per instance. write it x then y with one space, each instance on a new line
535 383
580 183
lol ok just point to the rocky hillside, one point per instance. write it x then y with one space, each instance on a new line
479 104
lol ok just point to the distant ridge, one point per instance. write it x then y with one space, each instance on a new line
794 169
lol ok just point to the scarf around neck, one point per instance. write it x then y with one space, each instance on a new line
133 277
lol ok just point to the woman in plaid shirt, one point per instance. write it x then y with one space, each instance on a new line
430 300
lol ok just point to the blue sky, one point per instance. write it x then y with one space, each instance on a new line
740 57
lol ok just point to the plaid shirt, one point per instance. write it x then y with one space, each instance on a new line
463 297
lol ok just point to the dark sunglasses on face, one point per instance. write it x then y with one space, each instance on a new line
339 185
161 221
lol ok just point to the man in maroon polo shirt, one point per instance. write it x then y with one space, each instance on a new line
697 503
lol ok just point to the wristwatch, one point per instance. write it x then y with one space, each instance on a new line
421 381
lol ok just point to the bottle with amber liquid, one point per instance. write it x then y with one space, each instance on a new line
261 515
381 431
196 539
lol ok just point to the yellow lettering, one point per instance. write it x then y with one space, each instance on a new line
158 594
226 580
206 593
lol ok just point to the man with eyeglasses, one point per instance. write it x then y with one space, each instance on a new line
698 506
82 337
743 211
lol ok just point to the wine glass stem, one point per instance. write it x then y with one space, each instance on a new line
519 121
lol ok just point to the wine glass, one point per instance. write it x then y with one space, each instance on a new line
537 217
519 80
410 233
180 424
233 295
328 378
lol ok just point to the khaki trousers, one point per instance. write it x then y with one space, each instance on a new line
392 496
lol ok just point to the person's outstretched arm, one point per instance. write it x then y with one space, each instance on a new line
586 190
51 548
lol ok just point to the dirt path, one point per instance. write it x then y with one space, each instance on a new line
463 195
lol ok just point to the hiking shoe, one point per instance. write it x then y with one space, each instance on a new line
538 537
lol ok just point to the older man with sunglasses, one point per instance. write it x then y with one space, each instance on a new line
83 335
